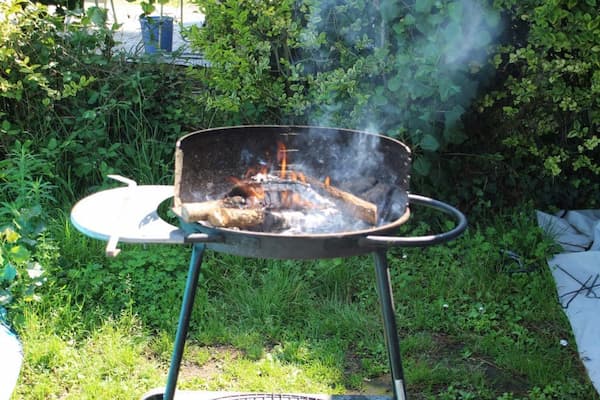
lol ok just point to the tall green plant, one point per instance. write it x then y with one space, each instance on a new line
25 192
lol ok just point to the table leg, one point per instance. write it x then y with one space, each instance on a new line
384 289
184 319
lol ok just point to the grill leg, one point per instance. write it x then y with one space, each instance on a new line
386 301
184 319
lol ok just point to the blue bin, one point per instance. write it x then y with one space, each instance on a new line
157 33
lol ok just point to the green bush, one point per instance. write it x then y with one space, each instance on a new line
249 45
87 110
545 116
408 70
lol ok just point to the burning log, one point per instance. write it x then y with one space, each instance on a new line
265 205
221 214
218 214
236 217
359 208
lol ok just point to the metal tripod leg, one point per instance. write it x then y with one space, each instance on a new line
184 319
384 289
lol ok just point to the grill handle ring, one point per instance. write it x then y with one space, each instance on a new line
421 241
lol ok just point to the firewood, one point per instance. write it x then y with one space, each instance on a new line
192 212
242 212
236 217
224 214
359 208
220 215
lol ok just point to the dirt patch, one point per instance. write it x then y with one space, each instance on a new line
206 362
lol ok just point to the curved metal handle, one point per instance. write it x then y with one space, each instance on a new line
420 241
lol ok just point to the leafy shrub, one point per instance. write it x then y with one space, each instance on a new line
249 44
545 117
38 68
408 70
405 69
88 111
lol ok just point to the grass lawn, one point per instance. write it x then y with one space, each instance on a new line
470 326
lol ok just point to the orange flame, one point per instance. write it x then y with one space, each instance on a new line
301 177
293 201
249 190
282 158
327 181
285 199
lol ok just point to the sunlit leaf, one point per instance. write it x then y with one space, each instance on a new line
19 254
10 235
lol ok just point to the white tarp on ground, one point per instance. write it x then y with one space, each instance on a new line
577 276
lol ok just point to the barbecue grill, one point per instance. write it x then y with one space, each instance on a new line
369 172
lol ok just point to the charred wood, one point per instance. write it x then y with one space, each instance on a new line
359 208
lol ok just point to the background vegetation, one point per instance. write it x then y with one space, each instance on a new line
502 120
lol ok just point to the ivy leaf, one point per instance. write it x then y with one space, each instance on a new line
409 20
390 10
395 83
379 97
423 6
455 11
429 142
9 273
97 15
454 133
421 166
453 115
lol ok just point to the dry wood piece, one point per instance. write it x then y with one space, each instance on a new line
236 217
192 212
221 214
358 207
